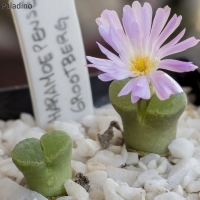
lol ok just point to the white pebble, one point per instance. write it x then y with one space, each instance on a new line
78 167
124 154
66 198
178 172
76 157
193 197
169 196
107 158
18 192
156 185
96 178
115 149
2 152
142 166
132 158
92 166
129 192
176 148
193 187
27 119
87 148
179 190
71 129
194 123
75 190
89 121
144 176
152 164
96 195
109 190
150 195
122 175
146 159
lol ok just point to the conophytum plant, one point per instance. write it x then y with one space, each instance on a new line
149 125
45 163
148 100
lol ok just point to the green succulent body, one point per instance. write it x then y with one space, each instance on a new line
45 163
149 125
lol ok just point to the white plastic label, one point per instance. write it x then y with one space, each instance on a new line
54 57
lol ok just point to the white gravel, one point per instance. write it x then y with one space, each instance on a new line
114 173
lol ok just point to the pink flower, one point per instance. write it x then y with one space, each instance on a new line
139 44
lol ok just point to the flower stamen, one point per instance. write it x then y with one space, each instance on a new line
142 65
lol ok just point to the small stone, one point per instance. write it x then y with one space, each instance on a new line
176 148
115 149
97 178
75 156
92 166
193 187
133 168
18 192
124 154
122 175
87 148
150 195
152 164
75 190
169 196
178 172
193 197
146 159
96 195
179 190
132 158
78 167
142 166
89 121
130 193
65 198
107 158
156 185
109 190
74 131
27 119
143 177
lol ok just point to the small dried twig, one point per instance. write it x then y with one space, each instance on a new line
82 180
108 134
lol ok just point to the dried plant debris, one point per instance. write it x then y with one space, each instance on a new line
108 134
82 180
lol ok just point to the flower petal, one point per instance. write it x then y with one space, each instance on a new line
141 88
158 24
146 21
137 10
111 56
176 65
105 77
171 26
127 88
164 85
104 32
182 46
172 42
103 68
113 19
120 75
99 61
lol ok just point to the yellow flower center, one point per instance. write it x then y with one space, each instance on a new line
142 65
